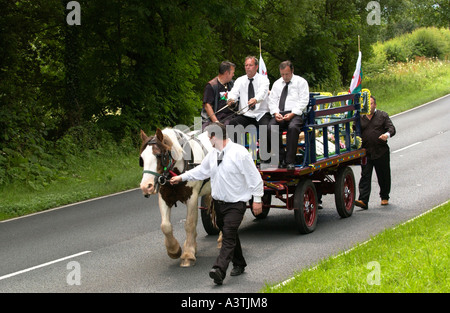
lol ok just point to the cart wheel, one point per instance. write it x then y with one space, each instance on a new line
305 206
267 201
344 191
208 216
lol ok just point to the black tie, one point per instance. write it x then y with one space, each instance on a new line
283 97
219 158
251 90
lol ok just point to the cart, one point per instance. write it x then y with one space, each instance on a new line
331 144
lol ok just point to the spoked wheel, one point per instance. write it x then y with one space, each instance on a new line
209 216
305 206
267 201
344 191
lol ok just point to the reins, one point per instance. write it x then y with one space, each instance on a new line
167 167
167 161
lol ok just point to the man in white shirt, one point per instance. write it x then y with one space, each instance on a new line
234 181
251 89
288 100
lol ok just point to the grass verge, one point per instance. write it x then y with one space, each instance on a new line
402 86
96 175
410 258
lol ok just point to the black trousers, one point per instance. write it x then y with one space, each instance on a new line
228 217
383 170
293 127
245 121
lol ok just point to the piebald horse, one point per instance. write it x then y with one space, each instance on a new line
171 152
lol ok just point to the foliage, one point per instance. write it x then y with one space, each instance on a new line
428 42
108 167
423 42
143 64
411 83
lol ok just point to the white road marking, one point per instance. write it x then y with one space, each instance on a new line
407 147
42 265
68 205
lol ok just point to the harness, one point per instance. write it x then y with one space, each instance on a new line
167 161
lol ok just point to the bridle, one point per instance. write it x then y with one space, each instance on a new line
167 162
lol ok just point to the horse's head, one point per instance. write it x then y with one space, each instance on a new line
155 159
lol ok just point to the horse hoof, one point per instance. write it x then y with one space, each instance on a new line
187 263
175 255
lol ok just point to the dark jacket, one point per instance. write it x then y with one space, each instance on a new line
374 128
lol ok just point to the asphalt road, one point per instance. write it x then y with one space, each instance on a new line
117 244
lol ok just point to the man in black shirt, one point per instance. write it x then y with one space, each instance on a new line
215 96
376 129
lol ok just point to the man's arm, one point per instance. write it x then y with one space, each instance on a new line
263 89
302 99
200 172
211 114
389 127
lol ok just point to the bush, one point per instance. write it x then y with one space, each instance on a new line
427 42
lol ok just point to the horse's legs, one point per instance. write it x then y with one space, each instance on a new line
172 245
190 245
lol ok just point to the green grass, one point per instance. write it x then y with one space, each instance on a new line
411 258
402 86
97 174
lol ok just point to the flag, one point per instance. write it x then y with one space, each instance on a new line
262 66
355 85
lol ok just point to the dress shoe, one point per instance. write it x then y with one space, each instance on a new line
282 164
384 202
290 167
361 204
217 275
237 270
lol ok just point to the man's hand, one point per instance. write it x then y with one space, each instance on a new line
252 103
288 117
383 137
230 102
278 117
257 208
175 180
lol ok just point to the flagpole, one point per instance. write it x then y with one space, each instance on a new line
260 47
359 43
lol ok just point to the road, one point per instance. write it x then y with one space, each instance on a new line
117 244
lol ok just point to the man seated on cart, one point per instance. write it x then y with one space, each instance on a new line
288 100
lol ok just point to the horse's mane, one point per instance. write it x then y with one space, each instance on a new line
172 134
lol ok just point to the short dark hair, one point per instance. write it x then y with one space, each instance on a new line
226 66
285 64
217 129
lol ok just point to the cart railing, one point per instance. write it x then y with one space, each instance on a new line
339 121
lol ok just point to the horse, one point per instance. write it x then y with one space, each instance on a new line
171 152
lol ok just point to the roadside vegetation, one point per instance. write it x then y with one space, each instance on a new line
409 70
410 258
88 161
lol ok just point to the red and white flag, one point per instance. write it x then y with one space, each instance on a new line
355 85
262 66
